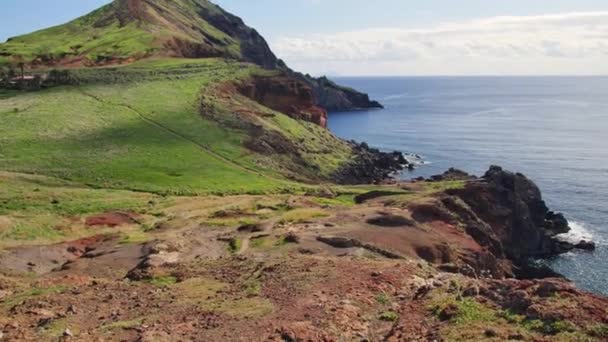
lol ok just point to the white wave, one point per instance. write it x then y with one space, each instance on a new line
567 103
499 111
578 232
395 97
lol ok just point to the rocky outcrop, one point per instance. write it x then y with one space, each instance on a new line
370 165
254 47
285 94
505 212
335 98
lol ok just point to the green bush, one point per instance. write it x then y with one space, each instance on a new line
389 316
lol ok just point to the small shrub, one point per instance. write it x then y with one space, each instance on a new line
600 331
163 281
382 299
389 316
234 245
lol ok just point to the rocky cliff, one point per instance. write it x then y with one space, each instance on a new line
505 212
335 98
287 95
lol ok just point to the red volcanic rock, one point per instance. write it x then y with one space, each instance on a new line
112 219
302 331
286 95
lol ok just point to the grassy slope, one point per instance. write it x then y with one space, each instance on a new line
146 133
80 37
87 38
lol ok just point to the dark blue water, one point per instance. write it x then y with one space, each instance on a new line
552 129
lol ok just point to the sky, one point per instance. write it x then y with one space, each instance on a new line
398 37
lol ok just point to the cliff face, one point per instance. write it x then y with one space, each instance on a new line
333 97
287 95
505 212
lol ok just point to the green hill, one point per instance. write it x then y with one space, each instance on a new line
169 97
141 127
133 29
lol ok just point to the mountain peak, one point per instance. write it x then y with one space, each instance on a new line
133 29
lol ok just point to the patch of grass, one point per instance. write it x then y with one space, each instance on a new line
44 210
443 186
28 294
253 307
549 327
164 281
345 200
260 242
598 330
133 237
31 233
198 289
123 324
389 316
302 215
235 245
55 328
208 294
253 287
511 317
383 298
467 310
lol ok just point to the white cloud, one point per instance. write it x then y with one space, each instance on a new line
569 43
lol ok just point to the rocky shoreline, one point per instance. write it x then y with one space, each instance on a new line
370 165
520 226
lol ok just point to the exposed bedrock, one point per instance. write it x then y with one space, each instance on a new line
285 94
335 98
505 212
371 165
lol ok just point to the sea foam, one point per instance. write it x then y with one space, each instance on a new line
578 232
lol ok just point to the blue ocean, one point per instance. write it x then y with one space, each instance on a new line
552 129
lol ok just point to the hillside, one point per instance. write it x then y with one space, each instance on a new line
128 30
163 177
133 29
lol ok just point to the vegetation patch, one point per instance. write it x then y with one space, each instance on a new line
128 324
207 294
383 298
164 281
343 200
302 215
549 327
133 237
235 245
28 294
461 312
598 330
55 328
389 316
